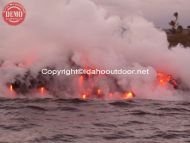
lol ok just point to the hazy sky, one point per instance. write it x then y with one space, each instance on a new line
158 11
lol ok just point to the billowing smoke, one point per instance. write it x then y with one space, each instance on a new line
59 33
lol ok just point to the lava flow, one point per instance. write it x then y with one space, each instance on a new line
90 88
11 89
42 90
84 96
166 79
128 95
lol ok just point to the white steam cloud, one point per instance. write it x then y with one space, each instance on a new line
52 31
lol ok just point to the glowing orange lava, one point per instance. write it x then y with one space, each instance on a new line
128 95
88 87
11 88
42 90
84 96
99 91
163 79
81 81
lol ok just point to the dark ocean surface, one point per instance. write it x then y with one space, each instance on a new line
77 121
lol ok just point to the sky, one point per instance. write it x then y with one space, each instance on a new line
160 12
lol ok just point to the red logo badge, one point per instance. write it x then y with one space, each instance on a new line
14 13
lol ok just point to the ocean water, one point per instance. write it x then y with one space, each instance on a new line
76 121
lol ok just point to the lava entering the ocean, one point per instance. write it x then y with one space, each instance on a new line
89 86
166 79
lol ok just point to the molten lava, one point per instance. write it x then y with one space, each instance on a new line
165 79
11 88
42 90
128 95
99 91
89 87
84 96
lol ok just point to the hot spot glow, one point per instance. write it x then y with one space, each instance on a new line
81 81
163 79
84 96
99 91
128 95
110 94
11 88
42 90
